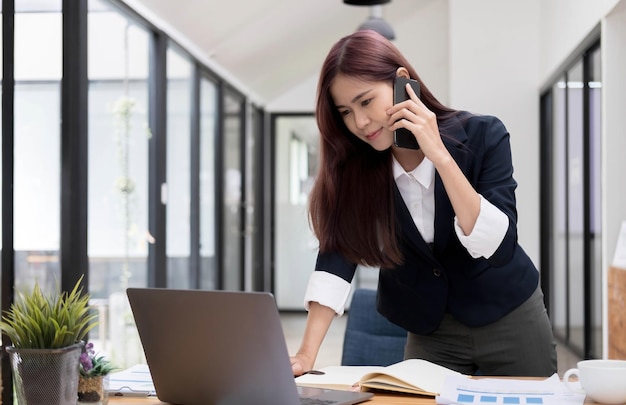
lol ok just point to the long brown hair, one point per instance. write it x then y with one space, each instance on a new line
351 208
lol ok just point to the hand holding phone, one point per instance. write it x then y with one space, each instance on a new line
402 137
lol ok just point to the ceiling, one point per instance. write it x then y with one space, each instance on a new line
266 47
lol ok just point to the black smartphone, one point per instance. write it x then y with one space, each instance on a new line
403 137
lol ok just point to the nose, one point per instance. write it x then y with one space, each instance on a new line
361 119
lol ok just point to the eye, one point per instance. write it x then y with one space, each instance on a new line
366 102
344 113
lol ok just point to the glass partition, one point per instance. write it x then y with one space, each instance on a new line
559 212
595 198
37 153
572 206
208 122
575 210
118 235
296 146
233 192
179 83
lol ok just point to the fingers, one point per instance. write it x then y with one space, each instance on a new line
297 367
411 92
412 104
414 116
406 113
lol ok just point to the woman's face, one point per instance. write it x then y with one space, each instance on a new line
363 107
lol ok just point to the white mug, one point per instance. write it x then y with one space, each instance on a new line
604 381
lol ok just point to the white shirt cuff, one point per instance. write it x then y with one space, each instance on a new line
327 289
489 231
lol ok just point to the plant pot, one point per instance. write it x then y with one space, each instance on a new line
91 390
45 376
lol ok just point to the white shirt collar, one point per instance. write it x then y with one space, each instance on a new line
424 173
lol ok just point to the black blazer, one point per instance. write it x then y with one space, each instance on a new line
444 278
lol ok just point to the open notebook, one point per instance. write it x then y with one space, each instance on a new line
220 347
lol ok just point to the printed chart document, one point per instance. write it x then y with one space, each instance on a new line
135 381
413 376
492 391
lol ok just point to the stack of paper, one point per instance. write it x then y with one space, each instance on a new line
135 381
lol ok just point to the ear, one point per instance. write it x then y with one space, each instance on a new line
403 72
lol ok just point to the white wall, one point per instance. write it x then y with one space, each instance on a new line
614 138
298 99
614 124
564 24
494 59
424 40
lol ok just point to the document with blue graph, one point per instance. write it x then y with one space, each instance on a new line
498 391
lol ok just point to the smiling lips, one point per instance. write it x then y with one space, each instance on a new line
373 135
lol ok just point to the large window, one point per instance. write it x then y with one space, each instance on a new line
233 191
118 175
253 203
208 124
571 210
178 168
154 142
37 144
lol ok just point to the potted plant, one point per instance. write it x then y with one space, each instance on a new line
46 334
93 369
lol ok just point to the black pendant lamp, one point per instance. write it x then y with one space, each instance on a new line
375 21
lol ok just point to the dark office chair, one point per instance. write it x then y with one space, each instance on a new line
370 339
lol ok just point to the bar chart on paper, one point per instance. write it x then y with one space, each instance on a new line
516 398
466 391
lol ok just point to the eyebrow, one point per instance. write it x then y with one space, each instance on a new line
356 98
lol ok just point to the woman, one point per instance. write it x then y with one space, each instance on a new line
439 221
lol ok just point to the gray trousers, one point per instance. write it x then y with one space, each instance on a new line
519 344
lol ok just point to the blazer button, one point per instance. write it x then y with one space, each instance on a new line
437 272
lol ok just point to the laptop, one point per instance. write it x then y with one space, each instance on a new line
220 347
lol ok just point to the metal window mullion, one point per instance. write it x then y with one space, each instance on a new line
8 138
194 187
587 248
74 146
157 90
566 203
219 188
